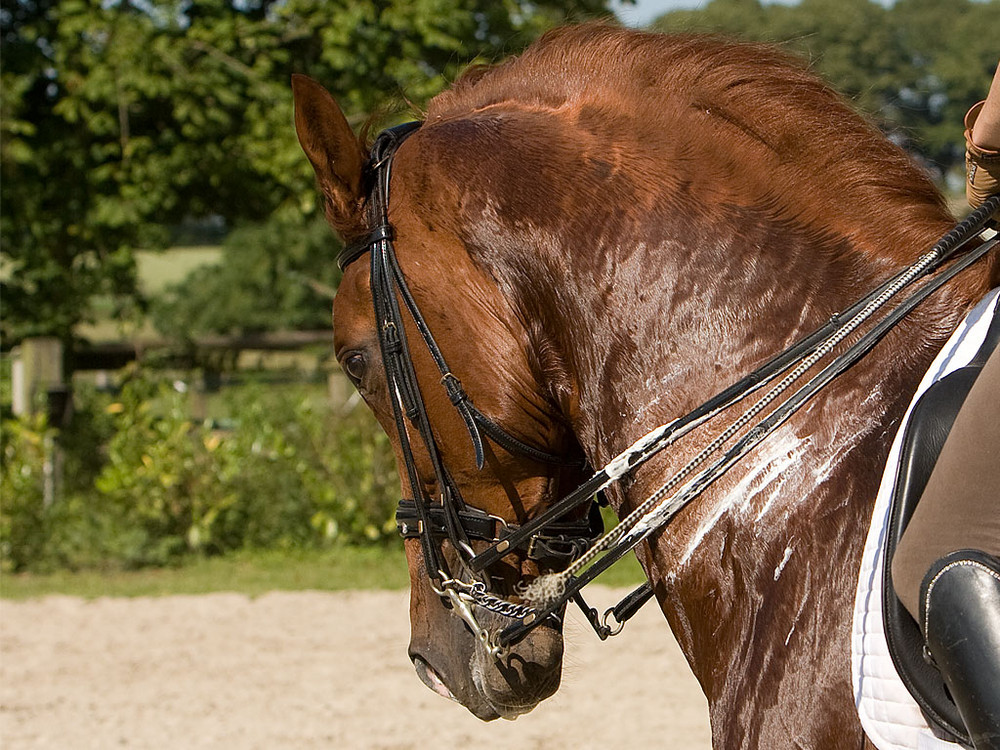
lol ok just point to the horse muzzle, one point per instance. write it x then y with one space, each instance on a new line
489 685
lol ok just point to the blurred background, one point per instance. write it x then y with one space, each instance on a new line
168 389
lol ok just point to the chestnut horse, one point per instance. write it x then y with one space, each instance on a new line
601 234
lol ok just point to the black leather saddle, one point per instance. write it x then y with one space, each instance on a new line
924 436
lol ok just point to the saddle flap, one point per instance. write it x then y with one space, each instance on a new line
924 436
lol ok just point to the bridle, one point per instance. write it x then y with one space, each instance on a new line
550 537
449 517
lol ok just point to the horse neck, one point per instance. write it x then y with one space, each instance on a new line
757 576
654 327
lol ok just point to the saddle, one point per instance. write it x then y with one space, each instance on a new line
924 436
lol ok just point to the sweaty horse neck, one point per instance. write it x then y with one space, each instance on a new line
740 573
663 326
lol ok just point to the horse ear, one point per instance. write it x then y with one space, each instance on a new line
333 150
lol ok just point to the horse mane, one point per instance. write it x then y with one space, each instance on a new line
799 143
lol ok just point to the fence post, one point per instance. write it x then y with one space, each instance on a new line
37 383
37 371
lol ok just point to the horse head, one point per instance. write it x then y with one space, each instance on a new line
586 243
484 341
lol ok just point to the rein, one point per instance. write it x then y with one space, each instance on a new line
572 543
656 512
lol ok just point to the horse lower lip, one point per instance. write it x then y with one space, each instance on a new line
431 679
509 714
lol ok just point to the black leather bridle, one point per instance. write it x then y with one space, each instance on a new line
550 537
448 516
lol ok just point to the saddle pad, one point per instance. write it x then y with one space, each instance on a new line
890 717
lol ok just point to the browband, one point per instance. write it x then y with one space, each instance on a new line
388 141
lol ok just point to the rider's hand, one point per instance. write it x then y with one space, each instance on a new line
982 165
982 146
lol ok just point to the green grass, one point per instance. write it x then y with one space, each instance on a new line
157 270
253 574
248 573
625 572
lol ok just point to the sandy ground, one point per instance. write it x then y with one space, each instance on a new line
308 670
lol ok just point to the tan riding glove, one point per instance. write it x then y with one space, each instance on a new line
982 166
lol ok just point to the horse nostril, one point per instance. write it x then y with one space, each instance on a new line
431 679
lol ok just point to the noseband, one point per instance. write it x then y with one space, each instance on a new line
549 537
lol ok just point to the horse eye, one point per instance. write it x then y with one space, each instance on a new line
355 366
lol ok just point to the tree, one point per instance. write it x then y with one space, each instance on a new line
122 120
62 230
747 19
277 275
913 68
951 55
123 117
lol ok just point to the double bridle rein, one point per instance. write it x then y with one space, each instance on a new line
573 545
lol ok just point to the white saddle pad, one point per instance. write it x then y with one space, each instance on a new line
889 715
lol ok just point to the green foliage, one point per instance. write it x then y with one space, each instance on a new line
69 532
159 478
914 67
277 275
301 475
66 227
121 118
290 474
148 486
951 55
27 447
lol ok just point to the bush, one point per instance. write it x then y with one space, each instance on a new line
160 478
71 531
277 275
28 448
304 475
146 485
